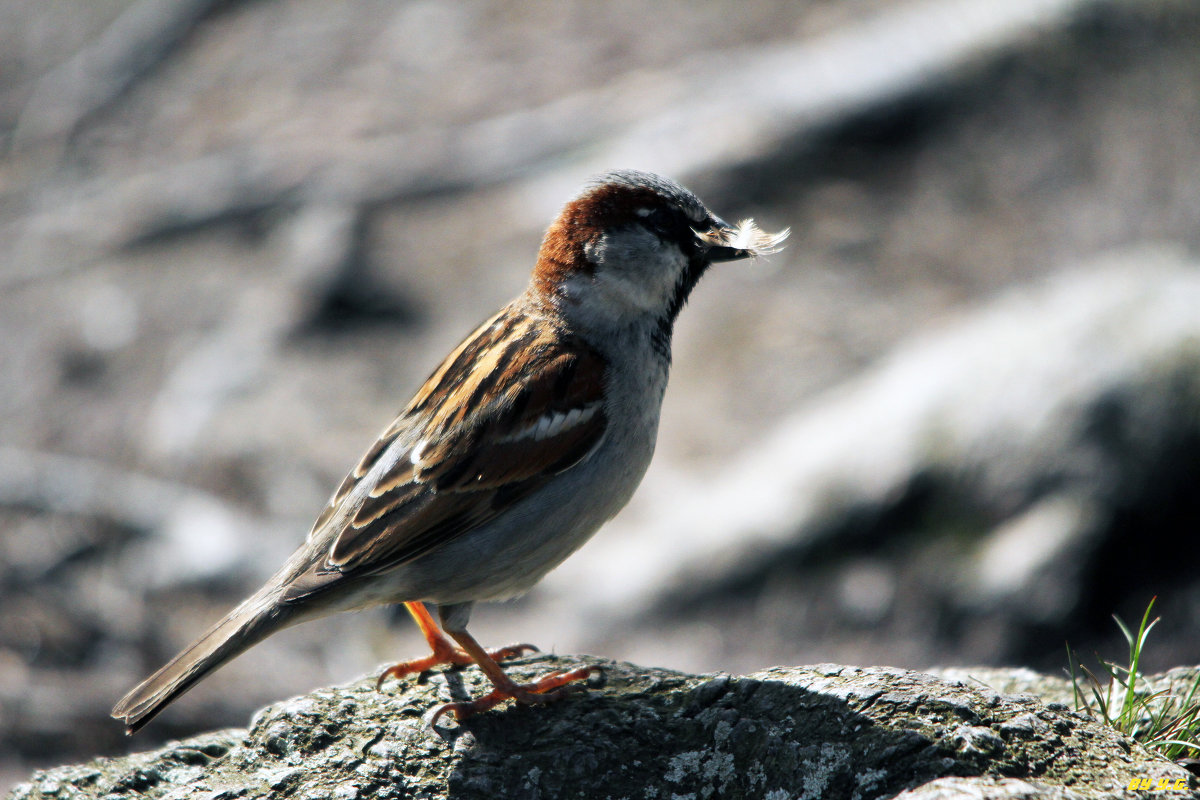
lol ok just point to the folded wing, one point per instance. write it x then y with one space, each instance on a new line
514 405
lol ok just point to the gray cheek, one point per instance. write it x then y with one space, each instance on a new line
637 250
631 249
596 250
635 276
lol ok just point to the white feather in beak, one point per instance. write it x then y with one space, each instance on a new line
744 240
746 235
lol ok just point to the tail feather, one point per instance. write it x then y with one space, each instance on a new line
245 626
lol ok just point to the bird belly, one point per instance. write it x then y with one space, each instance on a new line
507 556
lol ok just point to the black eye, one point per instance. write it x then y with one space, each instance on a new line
657 218
668 224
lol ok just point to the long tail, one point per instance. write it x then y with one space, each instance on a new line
247 625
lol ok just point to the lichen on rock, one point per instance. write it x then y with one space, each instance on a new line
796 732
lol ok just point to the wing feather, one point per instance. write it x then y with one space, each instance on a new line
511 407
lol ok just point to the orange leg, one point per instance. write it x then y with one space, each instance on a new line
543 690
444 650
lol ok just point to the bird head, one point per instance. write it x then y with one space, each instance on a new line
631 246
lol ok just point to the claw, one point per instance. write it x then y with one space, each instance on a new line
545 689
468 651
444 650
512 651
453 656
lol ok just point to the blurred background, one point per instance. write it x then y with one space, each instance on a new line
956 421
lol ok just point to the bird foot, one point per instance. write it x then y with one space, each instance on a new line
446 653
546 689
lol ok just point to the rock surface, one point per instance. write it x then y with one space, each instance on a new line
797 732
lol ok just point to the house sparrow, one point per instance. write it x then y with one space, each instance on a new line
530 435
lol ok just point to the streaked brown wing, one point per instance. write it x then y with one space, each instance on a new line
511 407
368 460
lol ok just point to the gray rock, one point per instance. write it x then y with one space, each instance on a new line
987 789
788 732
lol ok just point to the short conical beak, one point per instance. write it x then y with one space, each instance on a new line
720 252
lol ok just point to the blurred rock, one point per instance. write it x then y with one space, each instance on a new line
129 48
235 236
1028 468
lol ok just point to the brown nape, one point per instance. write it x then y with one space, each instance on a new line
582 221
